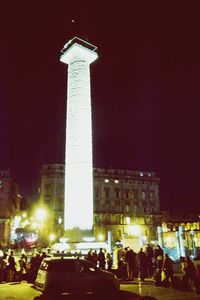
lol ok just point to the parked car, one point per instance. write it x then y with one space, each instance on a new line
59 275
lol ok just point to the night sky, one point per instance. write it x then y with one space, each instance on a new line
145 90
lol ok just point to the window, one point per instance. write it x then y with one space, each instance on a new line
97 192
47 189
62 265
127 193
135 194
117 192
143 195
151 195
107 192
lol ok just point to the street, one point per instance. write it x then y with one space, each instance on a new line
129 291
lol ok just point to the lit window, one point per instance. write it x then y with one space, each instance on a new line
106 180
116 181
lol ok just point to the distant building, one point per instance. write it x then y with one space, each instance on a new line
179 234
123 200
10 205
51 189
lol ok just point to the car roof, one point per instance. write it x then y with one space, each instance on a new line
61 258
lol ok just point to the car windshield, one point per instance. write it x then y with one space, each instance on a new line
59 265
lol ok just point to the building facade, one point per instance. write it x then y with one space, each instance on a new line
126 202
9 205
51 189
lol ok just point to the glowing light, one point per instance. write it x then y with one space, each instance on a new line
24 215
128 220
40 214
106 180
78 210
60 220
100 237
135 230
63 240
116 181
52 237
89 239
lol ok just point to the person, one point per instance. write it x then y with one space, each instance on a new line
190 274
3 267
109 261
142 264
149 255
167 269
11 267
23 266
101 259
130 261
158 257
90 255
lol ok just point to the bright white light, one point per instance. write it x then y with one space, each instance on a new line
52 237
89 239
60 220
100 237
78 156
40 214
135 230
128 220
106 180
116 181
63 240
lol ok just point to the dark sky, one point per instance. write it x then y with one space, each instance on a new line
145 89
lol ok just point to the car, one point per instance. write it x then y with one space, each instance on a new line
67 275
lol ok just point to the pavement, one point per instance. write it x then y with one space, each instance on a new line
128 291
149 291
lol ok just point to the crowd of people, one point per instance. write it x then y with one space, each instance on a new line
14 268
127 264
154 263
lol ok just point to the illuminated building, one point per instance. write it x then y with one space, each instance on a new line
78 204
179 234
51 190
123 199
126 203
10 205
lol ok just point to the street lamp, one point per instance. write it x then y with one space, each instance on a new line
40 214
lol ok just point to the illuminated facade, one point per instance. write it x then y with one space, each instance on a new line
127 203
179 234
51 190
78 211
123 200
10 205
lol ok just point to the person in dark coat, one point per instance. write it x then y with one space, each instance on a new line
167 268
190 275
11 267
130 257
142 264
101 259
149 254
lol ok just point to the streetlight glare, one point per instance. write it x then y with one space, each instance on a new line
52 237
40 214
